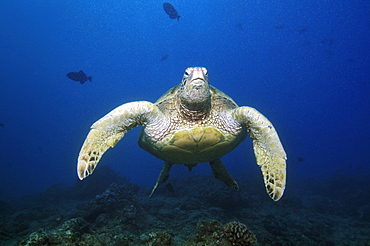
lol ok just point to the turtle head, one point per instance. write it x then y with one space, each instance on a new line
195 92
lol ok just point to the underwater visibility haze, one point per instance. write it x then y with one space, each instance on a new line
303 65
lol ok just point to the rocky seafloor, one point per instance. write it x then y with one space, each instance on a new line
106 209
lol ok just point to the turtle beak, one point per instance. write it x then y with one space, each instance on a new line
198 73
197 84
198 79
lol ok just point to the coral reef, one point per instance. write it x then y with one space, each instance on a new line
238 234
214 192
74 232
207 233
211 233
97 183
117 201
69 232
160 238
124 215
98 223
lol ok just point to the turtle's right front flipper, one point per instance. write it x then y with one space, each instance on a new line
107 131
269 152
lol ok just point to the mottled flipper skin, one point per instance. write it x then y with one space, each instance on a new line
269 152
106 132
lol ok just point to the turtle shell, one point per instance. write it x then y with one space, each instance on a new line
189 141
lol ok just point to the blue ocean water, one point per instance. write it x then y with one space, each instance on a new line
304 65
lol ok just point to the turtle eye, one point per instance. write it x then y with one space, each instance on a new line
184 79
188 71
205 71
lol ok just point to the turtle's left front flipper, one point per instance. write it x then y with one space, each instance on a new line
269 152
107 131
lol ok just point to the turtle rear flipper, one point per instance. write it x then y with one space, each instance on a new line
269 152
220 172
163 176
106 132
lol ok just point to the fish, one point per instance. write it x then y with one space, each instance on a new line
279 26
171 11
79 76
164 57
1 124
331 41
302 30
307 43
240 26
326 41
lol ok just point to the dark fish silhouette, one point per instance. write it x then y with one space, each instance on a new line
327 41
279 26
240 26
302 30
164 57
1 124
170 187
300 159
171 11
79 76
329 52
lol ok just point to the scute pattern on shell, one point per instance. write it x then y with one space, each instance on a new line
238 234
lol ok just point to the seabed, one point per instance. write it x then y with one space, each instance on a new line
106 209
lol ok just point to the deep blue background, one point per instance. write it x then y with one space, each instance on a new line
303 64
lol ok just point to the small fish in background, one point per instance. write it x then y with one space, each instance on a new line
278 27
302 30
307 43
170 187
329 52
240 26
300 159
2 125
327 41
165 57
171 11
79 76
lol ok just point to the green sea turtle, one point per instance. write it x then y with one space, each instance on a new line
193 122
